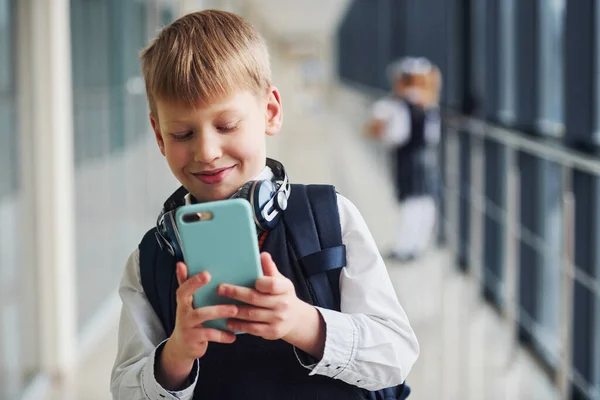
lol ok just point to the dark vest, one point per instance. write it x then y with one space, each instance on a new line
255 368
252 367
415 162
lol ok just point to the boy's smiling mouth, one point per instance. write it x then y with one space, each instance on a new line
213 176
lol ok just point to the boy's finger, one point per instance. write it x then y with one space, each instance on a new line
255 314
189 287
248 296
254 328
268 265
273 285
214 312
181 272
215 335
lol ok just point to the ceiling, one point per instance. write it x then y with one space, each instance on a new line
297 24
298 20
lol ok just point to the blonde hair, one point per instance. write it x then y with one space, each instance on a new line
203 56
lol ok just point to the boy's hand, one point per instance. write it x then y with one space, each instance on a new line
375 129
275 312
189 339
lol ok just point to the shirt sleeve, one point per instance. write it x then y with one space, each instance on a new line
396 116
382 110
370 343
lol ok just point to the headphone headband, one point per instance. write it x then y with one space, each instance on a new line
267 199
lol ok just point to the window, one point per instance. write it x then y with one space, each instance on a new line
167 15
19 360
549 271
494 258
596 333
478 54
597 74
110 123
507 76
551 66
8 160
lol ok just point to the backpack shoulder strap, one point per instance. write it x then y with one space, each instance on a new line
313 228
157 273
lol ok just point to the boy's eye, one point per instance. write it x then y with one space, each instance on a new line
181 136
227 128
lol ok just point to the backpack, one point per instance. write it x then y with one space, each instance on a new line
314 220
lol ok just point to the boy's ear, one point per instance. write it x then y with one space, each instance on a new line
273 112
157 135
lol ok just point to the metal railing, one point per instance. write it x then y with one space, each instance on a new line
515 233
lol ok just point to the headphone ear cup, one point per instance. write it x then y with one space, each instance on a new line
249 192
244 191
173 237
263 196
260 194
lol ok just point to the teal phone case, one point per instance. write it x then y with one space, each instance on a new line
226 246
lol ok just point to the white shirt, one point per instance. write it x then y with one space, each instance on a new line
370 344
396 115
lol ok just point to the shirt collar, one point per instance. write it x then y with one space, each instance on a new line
265 175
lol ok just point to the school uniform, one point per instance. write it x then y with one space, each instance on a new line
412 134
369 345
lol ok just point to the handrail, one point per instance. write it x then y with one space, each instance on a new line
509 137
516 140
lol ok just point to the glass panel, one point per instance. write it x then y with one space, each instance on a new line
135 104
18 329
597 69
495 220
478 24
114 149
90 55
596 334
90 24
507 59
550 258
167 15
551 36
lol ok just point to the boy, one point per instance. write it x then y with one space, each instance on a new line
211 102
408 122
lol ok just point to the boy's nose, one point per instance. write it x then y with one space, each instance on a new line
207 148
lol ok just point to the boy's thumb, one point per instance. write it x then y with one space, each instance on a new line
268 265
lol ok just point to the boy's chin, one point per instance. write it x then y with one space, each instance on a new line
212 194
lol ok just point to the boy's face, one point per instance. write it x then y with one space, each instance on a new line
214 149
412 88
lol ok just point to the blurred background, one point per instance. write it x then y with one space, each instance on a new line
506 302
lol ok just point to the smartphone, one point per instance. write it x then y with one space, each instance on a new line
219 237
